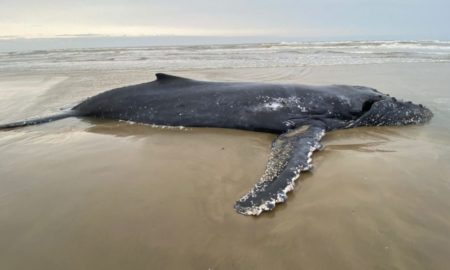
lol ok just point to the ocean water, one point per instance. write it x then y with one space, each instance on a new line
284 54
84 193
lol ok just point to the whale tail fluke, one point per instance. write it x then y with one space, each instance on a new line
36 121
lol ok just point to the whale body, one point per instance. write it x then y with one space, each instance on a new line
300 114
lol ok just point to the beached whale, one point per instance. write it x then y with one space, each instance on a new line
300 113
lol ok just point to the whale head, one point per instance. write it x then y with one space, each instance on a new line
389 111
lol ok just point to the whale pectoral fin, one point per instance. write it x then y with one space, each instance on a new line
291 154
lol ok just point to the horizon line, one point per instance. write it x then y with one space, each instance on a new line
300 38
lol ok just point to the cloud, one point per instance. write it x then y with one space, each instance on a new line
319 18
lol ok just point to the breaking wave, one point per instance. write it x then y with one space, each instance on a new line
283 54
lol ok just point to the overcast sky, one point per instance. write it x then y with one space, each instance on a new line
316 19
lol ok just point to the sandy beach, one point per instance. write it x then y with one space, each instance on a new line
92 194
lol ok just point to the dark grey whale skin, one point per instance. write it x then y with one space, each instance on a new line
300 113
274 108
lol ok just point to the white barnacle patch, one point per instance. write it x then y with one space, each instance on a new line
273 105
129 122
169 127
344 99
289 123
278 103
155 126
302 109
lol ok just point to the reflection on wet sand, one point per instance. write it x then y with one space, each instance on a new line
361 147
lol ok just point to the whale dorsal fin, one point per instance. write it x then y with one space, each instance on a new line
163 77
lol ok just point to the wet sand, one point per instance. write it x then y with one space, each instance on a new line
91 194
